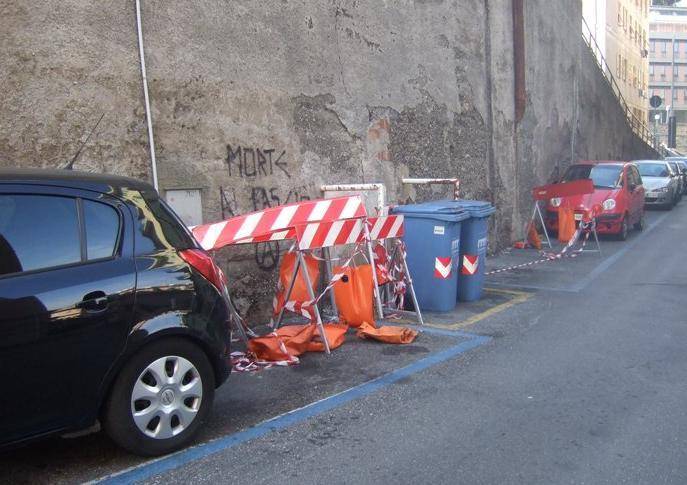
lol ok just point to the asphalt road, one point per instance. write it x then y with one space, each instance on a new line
584 382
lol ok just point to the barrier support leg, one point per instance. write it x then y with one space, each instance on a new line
378 298
287 296
411 288
311 293
537 211
596 238
329 272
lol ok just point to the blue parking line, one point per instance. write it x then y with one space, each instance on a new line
296 416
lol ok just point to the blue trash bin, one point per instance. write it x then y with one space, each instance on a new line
473 249
473 244
432 238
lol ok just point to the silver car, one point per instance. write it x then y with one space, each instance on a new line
660 183
682 165
677 173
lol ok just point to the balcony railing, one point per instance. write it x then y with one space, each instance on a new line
638 125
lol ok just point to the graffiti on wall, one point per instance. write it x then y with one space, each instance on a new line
257 166
252 162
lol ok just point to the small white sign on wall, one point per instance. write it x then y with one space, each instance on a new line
187 204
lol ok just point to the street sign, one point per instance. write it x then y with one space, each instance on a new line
655 101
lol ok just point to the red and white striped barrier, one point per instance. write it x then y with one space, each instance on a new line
385 227
351 231
276 223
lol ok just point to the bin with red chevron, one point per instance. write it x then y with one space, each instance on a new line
432 239
473 248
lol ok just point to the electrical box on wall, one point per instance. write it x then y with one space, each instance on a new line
187 204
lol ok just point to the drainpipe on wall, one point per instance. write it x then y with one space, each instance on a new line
519 59
149 120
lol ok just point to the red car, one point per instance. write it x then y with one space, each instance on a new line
618 196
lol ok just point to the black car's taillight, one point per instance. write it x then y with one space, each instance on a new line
205 265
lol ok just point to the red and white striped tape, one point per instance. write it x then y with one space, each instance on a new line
276 223
584 227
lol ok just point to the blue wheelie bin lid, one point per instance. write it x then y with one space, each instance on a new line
474 208
442 210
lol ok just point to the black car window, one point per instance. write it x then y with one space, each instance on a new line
38 231
102 229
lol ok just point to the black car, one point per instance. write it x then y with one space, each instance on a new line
110 313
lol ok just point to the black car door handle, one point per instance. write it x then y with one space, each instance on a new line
95 301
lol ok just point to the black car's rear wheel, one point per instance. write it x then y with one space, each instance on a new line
160 398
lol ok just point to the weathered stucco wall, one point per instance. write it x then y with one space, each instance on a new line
268 100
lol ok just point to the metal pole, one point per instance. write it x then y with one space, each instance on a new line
149 119
543 224
288 292
378 298
411 288
329 272
311 293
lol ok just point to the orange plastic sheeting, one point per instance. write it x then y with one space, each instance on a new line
533 236
566 224
300 288
353 294
389 335
336 335
293 340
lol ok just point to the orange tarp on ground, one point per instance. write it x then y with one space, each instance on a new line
389 335
293 340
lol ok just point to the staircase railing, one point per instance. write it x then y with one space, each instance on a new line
638 126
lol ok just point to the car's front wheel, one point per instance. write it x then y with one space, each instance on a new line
622 235
160 398
640 224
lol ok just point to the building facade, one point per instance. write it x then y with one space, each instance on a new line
668 62
620 29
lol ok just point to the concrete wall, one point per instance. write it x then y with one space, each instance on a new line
268 100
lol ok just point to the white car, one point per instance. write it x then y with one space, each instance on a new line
660 183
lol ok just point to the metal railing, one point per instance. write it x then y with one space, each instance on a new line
638 126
